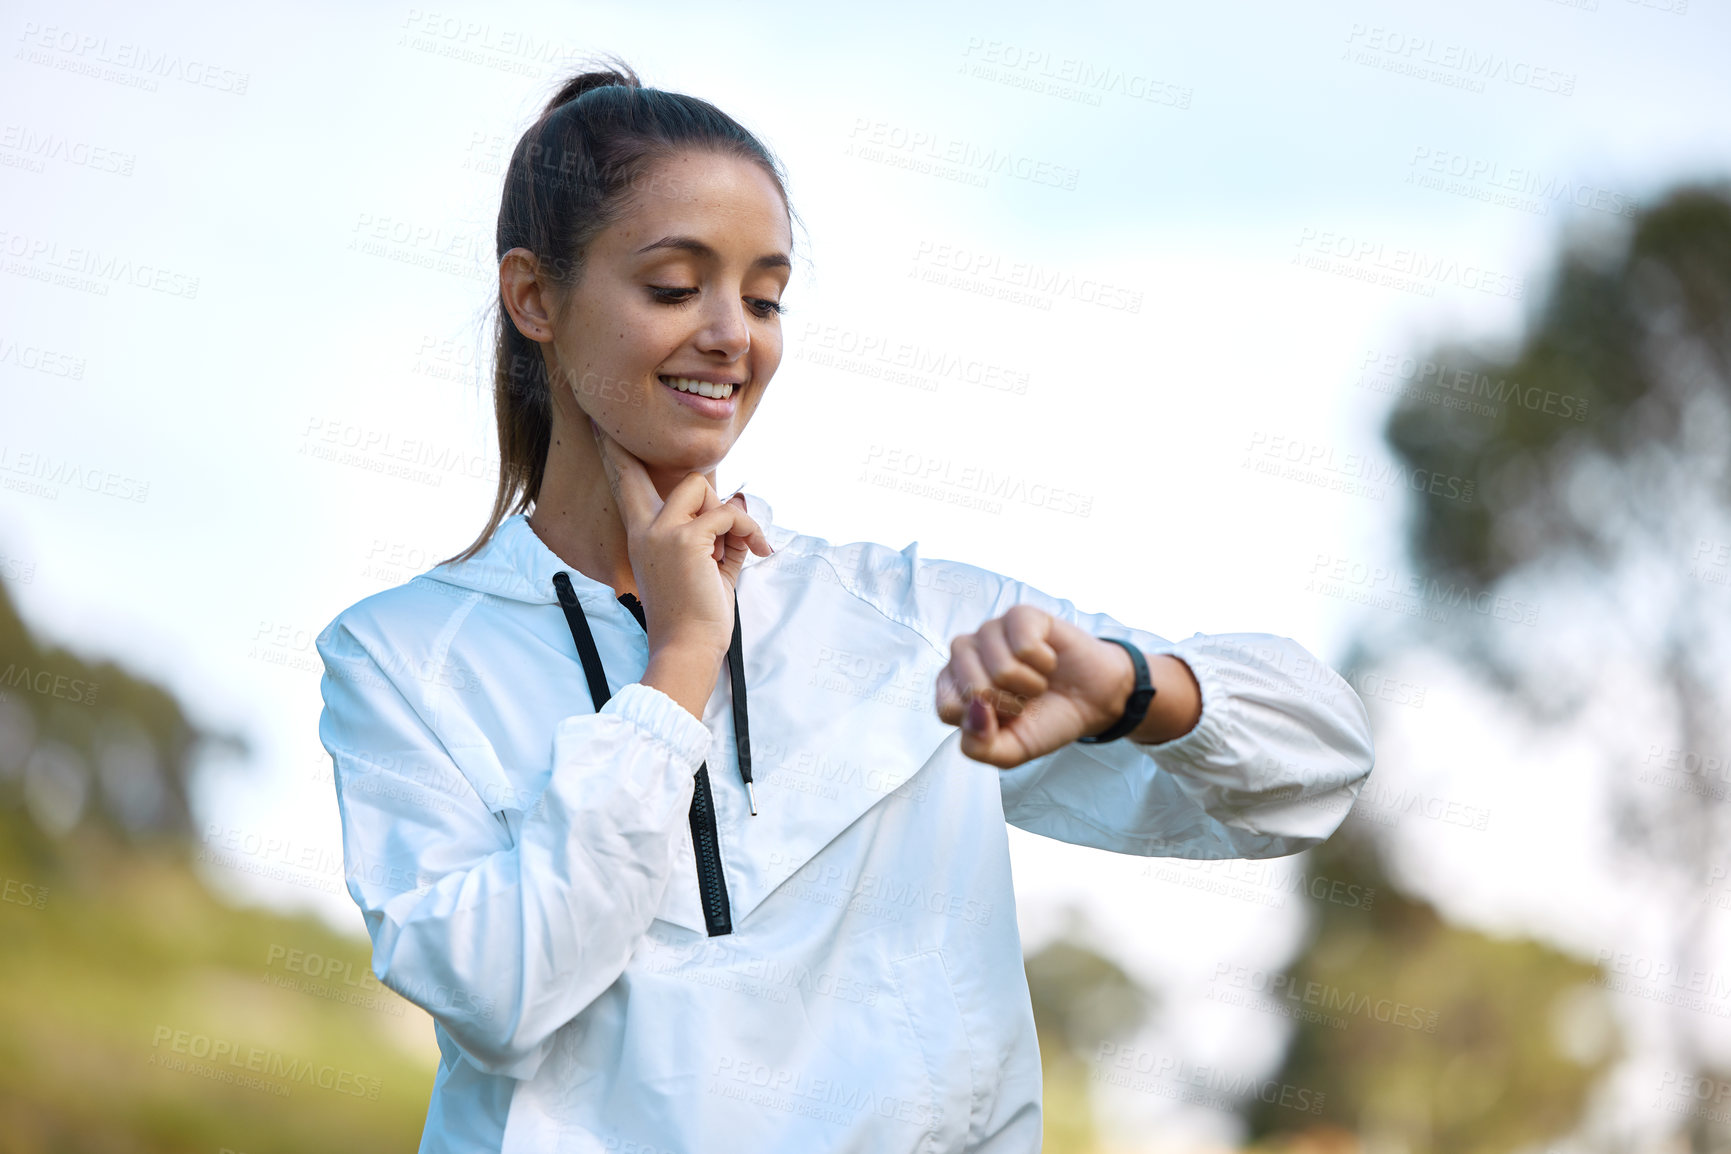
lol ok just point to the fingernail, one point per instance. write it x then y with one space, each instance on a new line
975 721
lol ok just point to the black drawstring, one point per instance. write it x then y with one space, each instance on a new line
741 730
598 691
704 838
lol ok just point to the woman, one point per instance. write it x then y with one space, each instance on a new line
645 916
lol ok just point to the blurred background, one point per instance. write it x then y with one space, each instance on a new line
1401 329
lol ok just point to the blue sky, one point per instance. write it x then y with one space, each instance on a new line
232 238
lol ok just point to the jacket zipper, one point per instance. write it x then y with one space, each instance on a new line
706 845
705 841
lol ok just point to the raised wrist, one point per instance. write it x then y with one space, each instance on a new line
1177 705
1131 706
1126 685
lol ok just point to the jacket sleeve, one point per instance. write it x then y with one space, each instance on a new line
1276 760
503 939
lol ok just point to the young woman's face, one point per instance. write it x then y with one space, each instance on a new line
682 290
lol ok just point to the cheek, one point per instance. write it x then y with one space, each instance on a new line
769 353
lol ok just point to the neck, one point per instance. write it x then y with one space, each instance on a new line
575 515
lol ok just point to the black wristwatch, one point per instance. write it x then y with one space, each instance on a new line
1136 708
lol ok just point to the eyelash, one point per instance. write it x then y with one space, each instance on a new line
678 296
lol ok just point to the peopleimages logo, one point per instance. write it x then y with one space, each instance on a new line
1372 260
40 360
124 61
1327 998
1391 588
46 682
1511 186
40 474
254 1060
1017 280
93 270
966 160
1066 77
1314 461
37 147
1144 1070
943 477
1455 65
1464 388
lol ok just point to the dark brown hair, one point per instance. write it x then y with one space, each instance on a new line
571 175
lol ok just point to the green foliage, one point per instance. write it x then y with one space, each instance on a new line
1600 446
120 746
1433 1037
117 967
1080 999
1631 334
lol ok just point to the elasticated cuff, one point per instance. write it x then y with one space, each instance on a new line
662 717
1208 735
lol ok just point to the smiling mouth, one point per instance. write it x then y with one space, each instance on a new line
700 388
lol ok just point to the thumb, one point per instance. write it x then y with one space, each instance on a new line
634 493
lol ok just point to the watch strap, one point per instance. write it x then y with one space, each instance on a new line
1136 707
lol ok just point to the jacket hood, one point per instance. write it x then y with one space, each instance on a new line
517 565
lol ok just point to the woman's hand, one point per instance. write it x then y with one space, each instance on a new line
1028 683
686 553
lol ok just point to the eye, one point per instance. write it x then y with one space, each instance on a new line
675 295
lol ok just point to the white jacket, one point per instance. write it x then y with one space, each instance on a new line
526 869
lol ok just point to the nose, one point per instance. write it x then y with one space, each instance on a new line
725 331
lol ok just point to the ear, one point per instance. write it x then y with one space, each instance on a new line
525 294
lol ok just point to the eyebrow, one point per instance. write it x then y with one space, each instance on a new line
696 247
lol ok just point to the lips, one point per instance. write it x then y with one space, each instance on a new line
705 403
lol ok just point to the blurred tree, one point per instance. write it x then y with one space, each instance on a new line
108 938
1081 999
1427 1037
87 741
1602 449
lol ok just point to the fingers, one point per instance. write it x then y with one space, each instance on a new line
693 501
995 684
988 662
1004 687
730 522
966 678
1026 629
734 533
1006 670
633 492
692 497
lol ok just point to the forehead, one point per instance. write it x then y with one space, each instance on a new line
730 203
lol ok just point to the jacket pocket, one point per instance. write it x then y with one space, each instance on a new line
923 982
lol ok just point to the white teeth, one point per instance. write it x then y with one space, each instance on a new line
701 388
